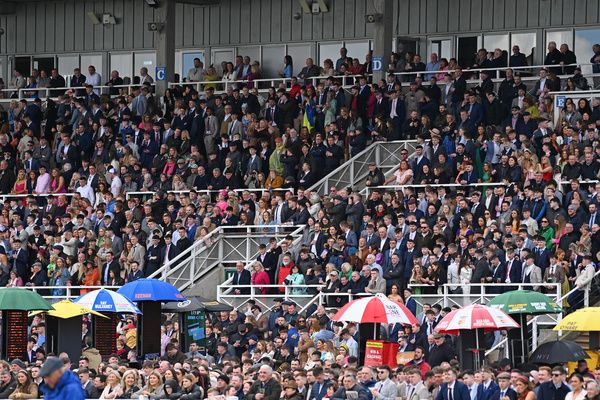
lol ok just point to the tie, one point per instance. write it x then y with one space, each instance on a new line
450 397
503 393
508 270
592 218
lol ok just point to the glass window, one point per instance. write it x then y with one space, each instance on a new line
96 61
220 55
188 62
442 47
272 60
66 64
327 50
251 51
122 63
147 60
526 42
584 40
467 50
492 42
299 53
560 37
356 50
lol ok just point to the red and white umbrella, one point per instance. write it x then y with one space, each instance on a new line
475 316
375 309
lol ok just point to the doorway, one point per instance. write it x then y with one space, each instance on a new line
44 64
467 50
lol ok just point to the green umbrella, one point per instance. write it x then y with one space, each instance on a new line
524 302
22 300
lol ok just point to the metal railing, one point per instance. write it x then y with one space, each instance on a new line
51 294
575 95
145 194
224 291
25 93
539 319
353 172
224 245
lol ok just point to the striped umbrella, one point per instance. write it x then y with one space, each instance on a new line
375 309
475 316
103 300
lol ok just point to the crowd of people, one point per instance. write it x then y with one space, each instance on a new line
73 163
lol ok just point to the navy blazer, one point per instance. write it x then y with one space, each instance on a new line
411 304
316 394
460 391
492 392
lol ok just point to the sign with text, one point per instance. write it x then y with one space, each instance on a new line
161 73
377 64
374 353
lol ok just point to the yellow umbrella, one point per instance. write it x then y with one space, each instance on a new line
67 309
585 319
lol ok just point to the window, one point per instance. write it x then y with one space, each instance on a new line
526 42
492 42
442 47
220 55
123 63
272 60
560 37
299 53
356 50
188 62
467 50
251 51
147 60
66 64
327 50
584 40
96 61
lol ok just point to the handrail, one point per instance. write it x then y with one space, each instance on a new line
395 188
533 321
220 293
323 183
207 191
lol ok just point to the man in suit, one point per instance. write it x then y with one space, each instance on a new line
407 259
241 277
153 256
488 390
452 389
409 302
169 251
350 384
385 388
137 253
505 389
110 265
91 392
20 260
416 390
318 388
135 273
349 234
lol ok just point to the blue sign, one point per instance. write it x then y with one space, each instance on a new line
560 101
377 64
161 73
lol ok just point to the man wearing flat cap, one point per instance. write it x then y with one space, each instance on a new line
60 383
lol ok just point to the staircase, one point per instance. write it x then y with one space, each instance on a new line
222 248
353 172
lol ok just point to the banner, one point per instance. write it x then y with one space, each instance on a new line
405 357
374 353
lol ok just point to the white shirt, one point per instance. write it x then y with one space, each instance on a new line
115 186
94 80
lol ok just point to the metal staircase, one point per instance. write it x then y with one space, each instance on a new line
353 172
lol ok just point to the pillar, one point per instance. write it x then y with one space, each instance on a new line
165 45
382 36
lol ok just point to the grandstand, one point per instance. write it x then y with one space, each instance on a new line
275 138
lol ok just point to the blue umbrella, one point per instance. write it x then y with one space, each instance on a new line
151 290
103 300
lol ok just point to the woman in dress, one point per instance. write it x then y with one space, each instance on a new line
57 182
260 277
20 186
402 176
577 392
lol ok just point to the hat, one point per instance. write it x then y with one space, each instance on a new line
181 160
112 171
290 384
504 375
435 131
18 362
51 365
289 303
516 108
438 336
